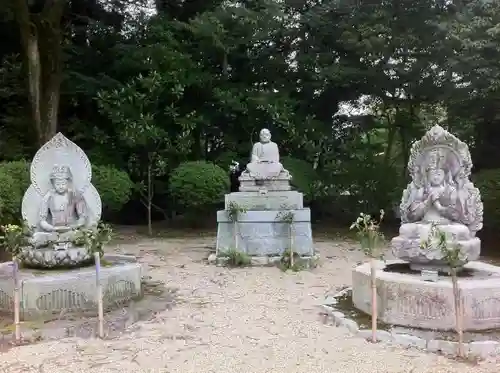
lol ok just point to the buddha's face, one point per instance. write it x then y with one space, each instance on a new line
436 177
60 185
265 135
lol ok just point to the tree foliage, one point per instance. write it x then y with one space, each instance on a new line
345 87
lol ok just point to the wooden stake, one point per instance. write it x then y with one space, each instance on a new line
374 300
99 294
17 299
236 240
458 312
290 235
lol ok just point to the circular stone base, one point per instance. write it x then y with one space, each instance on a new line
54 291
50 258
408 300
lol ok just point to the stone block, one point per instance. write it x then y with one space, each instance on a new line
269 201
260 233
75 289
483 349
407 340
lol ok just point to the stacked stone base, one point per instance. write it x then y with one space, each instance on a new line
259 230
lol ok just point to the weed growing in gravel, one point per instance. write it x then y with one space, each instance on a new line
236 258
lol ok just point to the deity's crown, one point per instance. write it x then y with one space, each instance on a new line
60 172
437 160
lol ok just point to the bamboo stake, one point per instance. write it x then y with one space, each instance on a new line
99 294
290 235
374 300
236 240
17 299
458 312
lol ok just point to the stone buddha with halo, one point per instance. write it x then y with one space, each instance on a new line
440 194
265 170
62 211
60 201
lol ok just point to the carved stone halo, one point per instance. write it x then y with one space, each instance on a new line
61 151
455 153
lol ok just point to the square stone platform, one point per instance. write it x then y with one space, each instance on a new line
259 231
46 291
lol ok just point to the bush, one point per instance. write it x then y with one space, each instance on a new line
19 171
198 184
488 182
10 200
14 180
114 186
304 176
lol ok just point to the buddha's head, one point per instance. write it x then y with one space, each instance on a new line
60 178
436 176
265 135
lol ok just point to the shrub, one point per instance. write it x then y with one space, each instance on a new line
488 182
198 184
10 199
14 180
19 171
114 186
304 176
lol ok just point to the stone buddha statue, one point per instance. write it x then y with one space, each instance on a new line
265 167
440 195
60 202
265 158
62 210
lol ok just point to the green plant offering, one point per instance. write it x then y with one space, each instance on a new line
94 239
370 240
288 257
455 259
14 237
369 236
236 258
234 210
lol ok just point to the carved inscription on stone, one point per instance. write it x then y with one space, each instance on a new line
62 299
487 309
404 303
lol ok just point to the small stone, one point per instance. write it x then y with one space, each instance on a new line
329 300
381 335
446 347
351 325
212 258
483 349
407 340
260 260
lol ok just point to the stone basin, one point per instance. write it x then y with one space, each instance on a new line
407 300
54 291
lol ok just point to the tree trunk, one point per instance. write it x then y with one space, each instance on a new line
41 38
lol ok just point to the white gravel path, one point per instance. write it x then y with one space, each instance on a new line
253 320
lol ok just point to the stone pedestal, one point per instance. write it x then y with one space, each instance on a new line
408 300
47 292
431 259
259 230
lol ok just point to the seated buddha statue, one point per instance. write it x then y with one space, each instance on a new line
62 211
265 159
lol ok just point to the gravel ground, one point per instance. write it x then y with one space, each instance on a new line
251 320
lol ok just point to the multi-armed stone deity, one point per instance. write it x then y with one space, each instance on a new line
60 202
265 195
441 195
